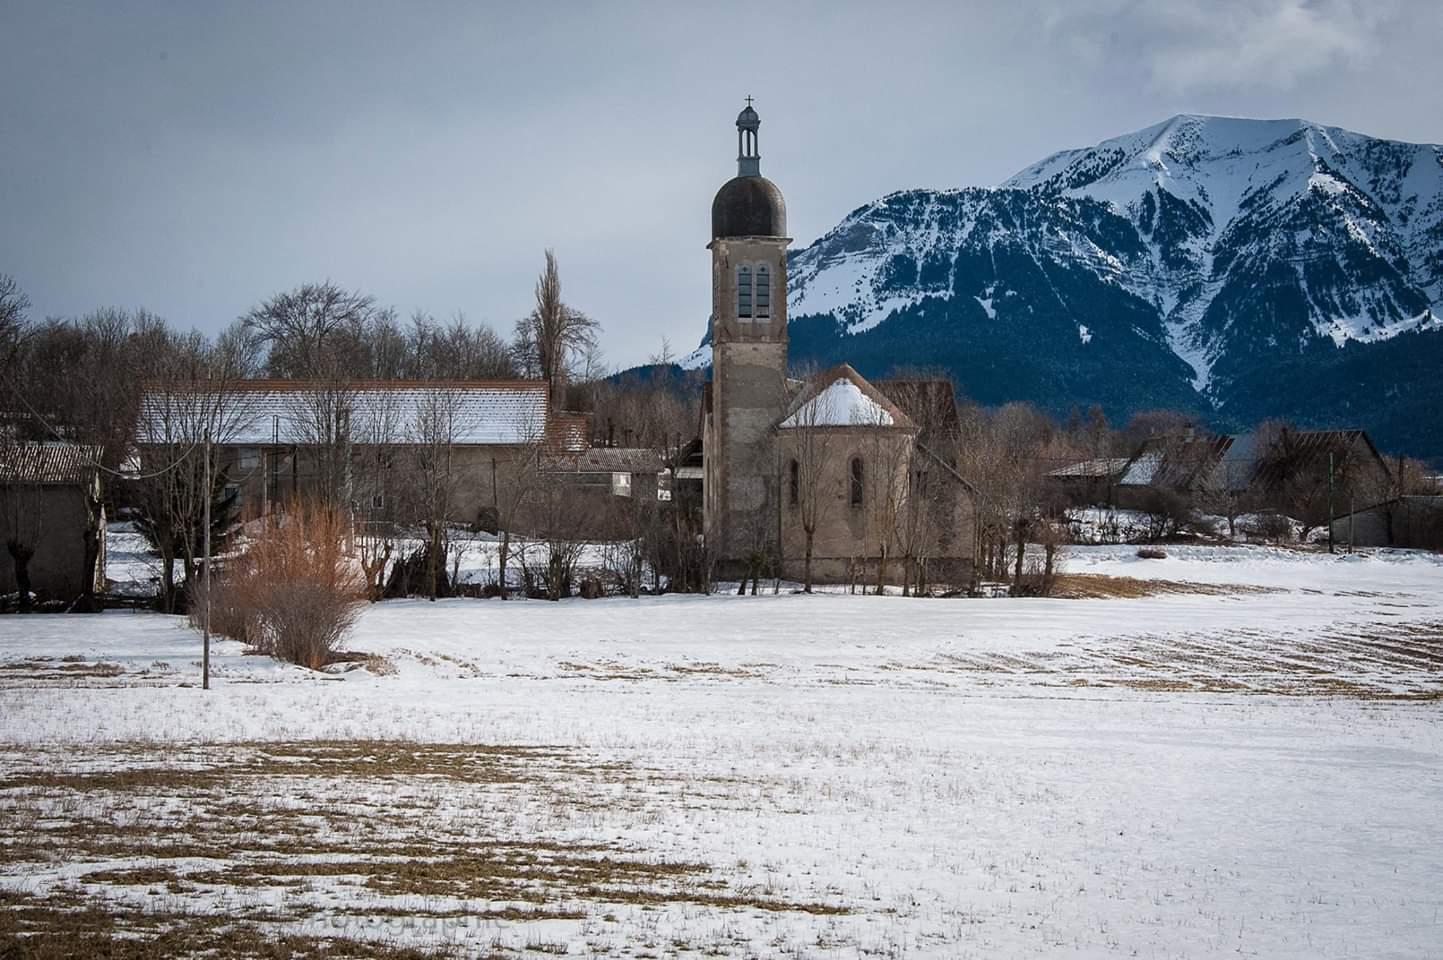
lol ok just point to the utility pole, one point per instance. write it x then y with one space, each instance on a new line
1330 501
205 574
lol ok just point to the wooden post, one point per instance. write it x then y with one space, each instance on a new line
205 573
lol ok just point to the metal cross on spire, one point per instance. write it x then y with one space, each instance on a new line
749 101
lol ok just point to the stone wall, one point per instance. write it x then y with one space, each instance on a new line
849 536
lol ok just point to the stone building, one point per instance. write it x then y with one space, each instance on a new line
833 453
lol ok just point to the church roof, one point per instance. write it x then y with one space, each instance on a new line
842 397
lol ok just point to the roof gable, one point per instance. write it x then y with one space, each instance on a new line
842 397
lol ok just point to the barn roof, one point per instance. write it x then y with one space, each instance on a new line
30 462
280 411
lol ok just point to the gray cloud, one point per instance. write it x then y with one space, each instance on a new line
1240 45
194 158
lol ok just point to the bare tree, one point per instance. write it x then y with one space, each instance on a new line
320 414
456 351
811 474
553 332
190 408
22 517
1228 491
303 329
556 519
376 486
13 307
432 448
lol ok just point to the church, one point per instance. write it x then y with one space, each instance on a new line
826 477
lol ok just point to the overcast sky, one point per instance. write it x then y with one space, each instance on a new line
195 157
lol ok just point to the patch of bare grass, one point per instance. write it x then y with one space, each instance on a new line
1098 586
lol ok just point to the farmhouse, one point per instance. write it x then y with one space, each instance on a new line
361 442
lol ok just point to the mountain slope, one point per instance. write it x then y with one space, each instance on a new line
1240 268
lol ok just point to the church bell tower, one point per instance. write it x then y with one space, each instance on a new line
749 362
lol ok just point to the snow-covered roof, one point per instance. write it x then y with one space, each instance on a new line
607 460
847 400
1101 467
262 412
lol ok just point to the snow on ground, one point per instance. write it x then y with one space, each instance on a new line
130 566
1255 769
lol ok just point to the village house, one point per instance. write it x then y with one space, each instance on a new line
1290 471
52 520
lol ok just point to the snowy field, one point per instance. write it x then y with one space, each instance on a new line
1241 753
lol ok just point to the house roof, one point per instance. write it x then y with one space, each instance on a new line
606 460
30 462
568 432
1100 467
842 397
1174 461
285 411
1237 462
1295 450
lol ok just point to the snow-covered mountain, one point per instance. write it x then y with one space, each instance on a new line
1243 268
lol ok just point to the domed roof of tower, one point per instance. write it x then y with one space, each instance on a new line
748 207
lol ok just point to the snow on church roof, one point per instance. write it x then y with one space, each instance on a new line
842 404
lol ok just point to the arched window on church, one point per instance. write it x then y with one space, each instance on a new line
764 292
857 478
794 483
744 293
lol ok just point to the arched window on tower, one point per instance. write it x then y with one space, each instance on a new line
857 484
744 293
764 292
794 483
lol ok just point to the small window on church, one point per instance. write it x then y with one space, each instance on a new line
744 293
857 477
794 483
764 292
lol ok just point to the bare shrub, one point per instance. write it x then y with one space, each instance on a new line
1273 527
294 593
1166 512
1151 553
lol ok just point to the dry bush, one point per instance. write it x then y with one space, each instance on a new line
294 593
1151 553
